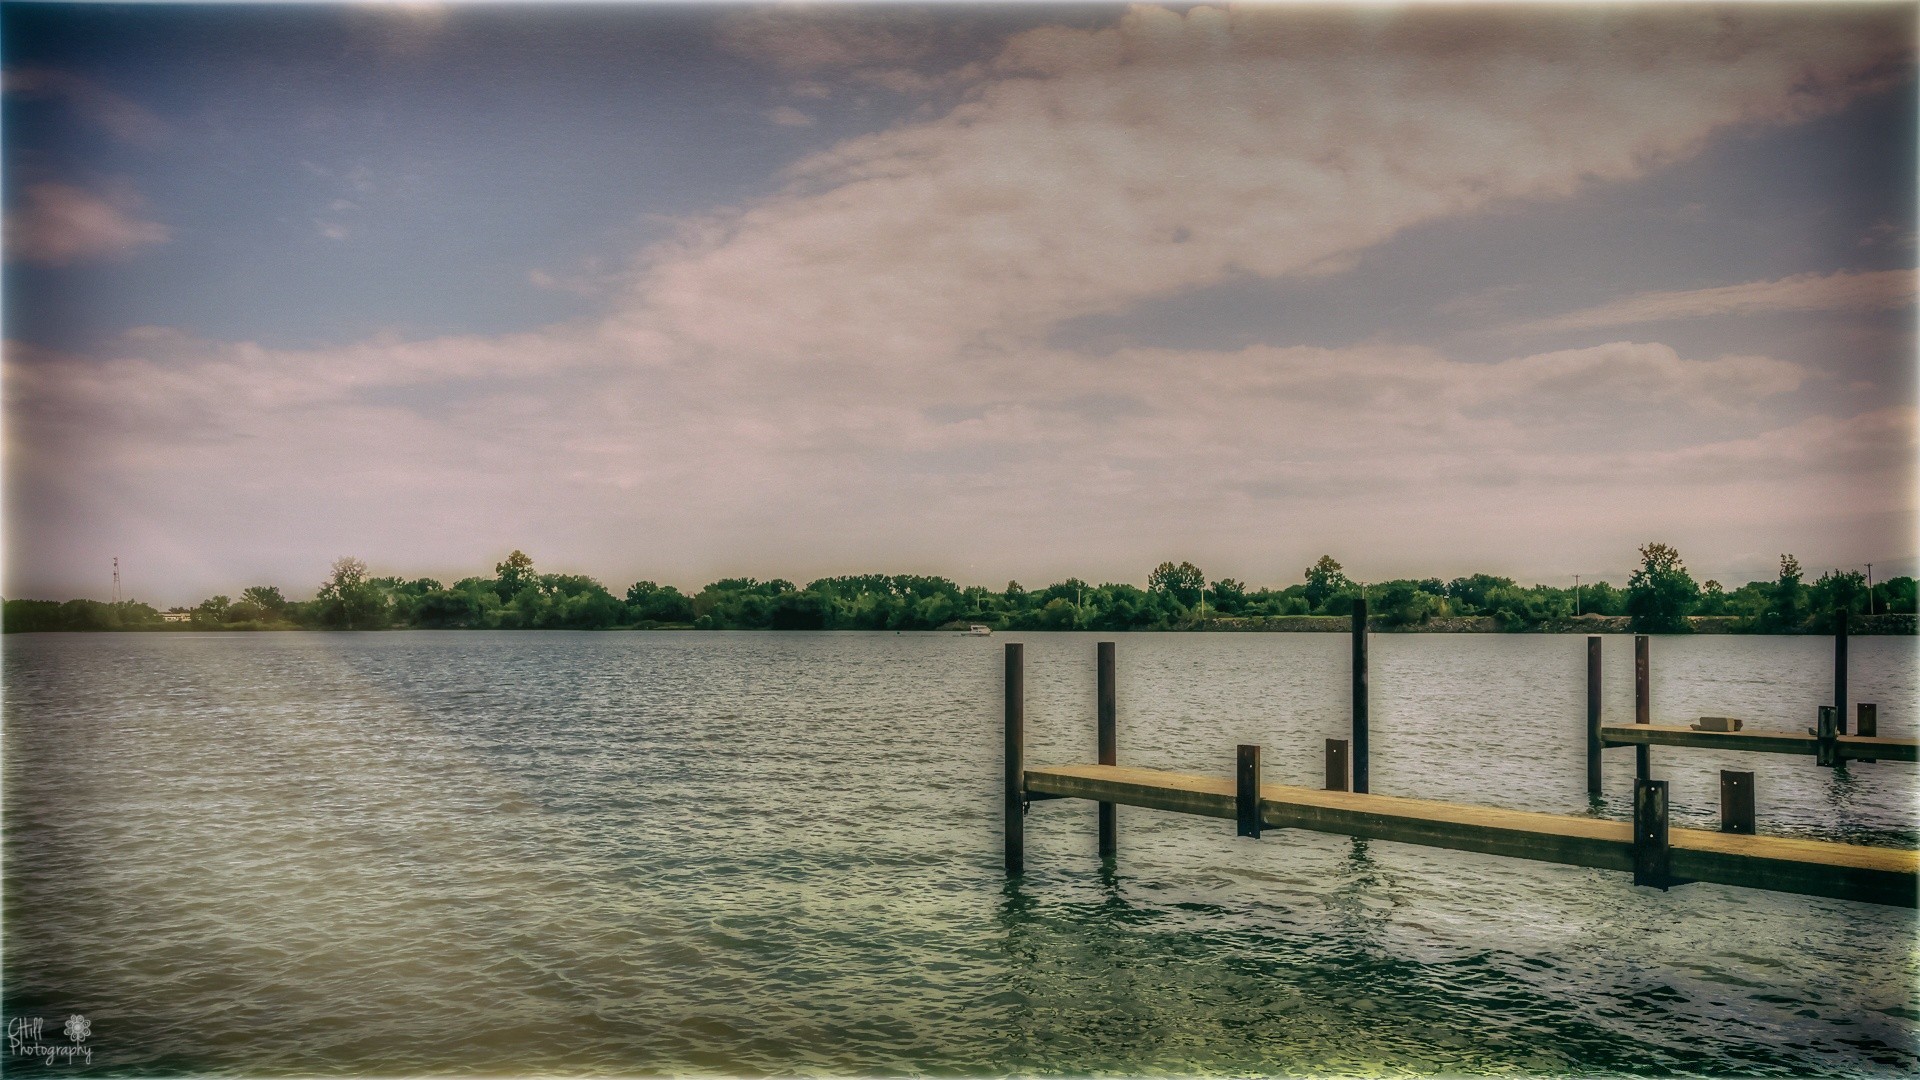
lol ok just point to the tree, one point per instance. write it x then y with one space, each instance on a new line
265 597
1787 600
1661 592
514 574
1323 580
1182 582
349 599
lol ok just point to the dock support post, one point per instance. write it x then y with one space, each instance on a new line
1246 790
1867 725
1593 715
1826 751
1652 859
1736 802
1337 765
1016 779
1642 704
1109 744
1360 784
1840 671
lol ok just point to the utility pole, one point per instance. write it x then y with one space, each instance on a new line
116 579
1869 588
1576 595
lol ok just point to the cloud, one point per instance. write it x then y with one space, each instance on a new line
856 367
60 224
121 117
1862 290
788 116
1175 151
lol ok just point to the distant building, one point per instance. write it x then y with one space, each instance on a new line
176 616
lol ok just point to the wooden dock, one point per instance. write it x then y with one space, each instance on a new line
1781 864
1646 846
1850 747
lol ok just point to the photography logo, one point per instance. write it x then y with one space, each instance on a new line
24 1040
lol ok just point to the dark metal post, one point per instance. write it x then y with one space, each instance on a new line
1337 765
1827 750
1246 790
1642 704
1840 671
1652 860
1736 802
1868 726
1593 715
1109 744
1016 776
1360 696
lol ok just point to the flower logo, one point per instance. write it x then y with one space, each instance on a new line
78 1029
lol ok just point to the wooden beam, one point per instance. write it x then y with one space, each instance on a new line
1107 721
1763 742
1015 804
1810 867
1594 745
1246 790
1361 772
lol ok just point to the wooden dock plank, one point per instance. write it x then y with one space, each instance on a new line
1765 742
1781 864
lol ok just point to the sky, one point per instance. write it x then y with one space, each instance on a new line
1023 292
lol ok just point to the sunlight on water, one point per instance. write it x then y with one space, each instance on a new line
757 853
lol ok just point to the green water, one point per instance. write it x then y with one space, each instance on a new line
747 854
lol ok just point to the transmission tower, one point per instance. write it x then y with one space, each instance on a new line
116 579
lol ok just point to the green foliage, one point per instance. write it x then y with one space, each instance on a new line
1661 594
1324 581
1182 582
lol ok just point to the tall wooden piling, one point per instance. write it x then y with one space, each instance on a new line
1642 703
1109 744
1246 790
1338 765
1652 855
1869 720
1840 671
1360 696
1826 750
1016 794
1736 802
1594 746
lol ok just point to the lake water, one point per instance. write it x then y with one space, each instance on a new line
741 854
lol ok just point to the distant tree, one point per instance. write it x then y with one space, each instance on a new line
1182 583
1786 609
1661 593
514 574
267 598
1324 579
349 600
212 611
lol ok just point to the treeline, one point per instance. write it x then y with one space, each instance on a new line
1659 597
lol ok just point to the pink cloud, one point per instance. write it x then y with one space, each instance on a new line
61 224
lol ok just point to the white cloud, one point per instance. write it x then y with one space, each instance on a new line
1863 290
853 372
788 116
60 224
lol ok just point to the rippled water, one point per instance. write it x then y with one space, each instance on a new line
779 853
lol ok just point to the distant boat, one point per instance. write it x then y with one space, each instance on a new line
976 630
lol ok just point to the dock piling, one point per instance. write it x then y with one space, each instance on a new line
1337 764
1840 671
1826 751
1867 725
1016 780
1642 703
1360 784
1594 745
1652 857
1109 744
1246 790
1736 802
